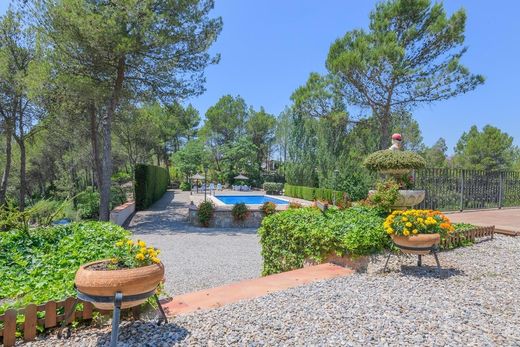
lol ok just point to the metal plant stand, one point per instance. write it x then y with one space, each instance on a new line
433 249
117 299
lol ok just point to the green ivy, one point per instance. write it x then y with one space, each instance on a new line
291 236
40 266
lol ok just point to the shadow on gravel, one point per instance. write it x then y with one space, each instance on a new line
426 271
147 334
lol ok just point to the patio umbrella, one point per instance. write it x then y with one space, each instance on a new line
197 176
241 177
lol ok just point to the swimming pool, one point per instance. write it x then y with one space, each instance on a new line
249 199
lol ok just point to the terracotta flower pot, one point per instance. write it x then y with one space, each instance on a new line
127 281
420 241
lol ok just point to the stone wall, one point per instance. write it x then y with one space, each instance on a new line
223 218
121 213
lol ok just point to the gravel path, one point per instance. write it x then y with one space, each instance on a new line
476 303
196 258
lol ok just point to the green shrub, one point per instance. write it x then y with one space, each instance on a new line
273 187
291 236
151 183
87 204
40 266
386 194
268 208
185 186
205 212
394 160
121 177
294 204
240 211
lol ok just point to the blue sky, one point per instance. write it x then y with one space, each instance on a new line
269 47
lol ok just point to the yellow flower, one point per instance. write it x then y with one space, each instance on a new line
129 242
141 244
151 252
139 256
414 231
119 243
389 231
404 219
408 224
406 232
420 219
156 260
143 250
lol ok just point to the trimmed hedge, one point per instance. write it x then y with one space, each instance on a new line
291 236
151 183
309 193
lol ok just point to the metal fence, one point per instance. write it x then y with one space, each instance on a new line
455 189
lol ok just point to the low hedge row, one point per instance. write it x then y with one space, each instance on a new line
309 193
151 183
291 236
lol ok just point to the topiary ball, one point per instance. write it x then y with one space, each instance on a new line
394 162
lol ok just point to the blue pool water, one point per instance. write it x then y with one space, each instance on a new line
249 199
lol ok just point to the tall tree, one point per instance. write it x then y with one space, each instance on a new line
17 45
260 128
139 49
409 56
436 155
489 149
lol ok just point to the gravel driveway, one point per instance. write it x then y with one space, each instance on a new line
196 258
475 304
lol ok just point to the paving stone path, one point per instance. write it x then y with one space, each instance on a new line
196 258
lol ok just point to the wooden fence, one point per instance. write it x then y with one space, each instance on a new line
468 235
455 189
48 315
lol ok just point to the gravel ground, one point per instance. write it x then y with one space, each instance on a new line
475 304
196 258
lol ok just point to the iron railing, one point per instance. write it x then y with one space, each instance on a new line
457 189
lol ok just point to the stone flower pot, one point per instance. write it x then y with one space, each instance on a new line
406 198
416 241
99 282
409 198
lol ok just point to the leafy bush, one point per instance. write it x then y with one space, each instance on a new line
87 204
151 183
291 236
41 266
121 177
386 194
240 211
185 186
273 187
394 160
205 212
294 204
268 208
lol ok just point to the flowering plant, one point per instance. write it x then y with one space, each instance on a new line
132 254
412 222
